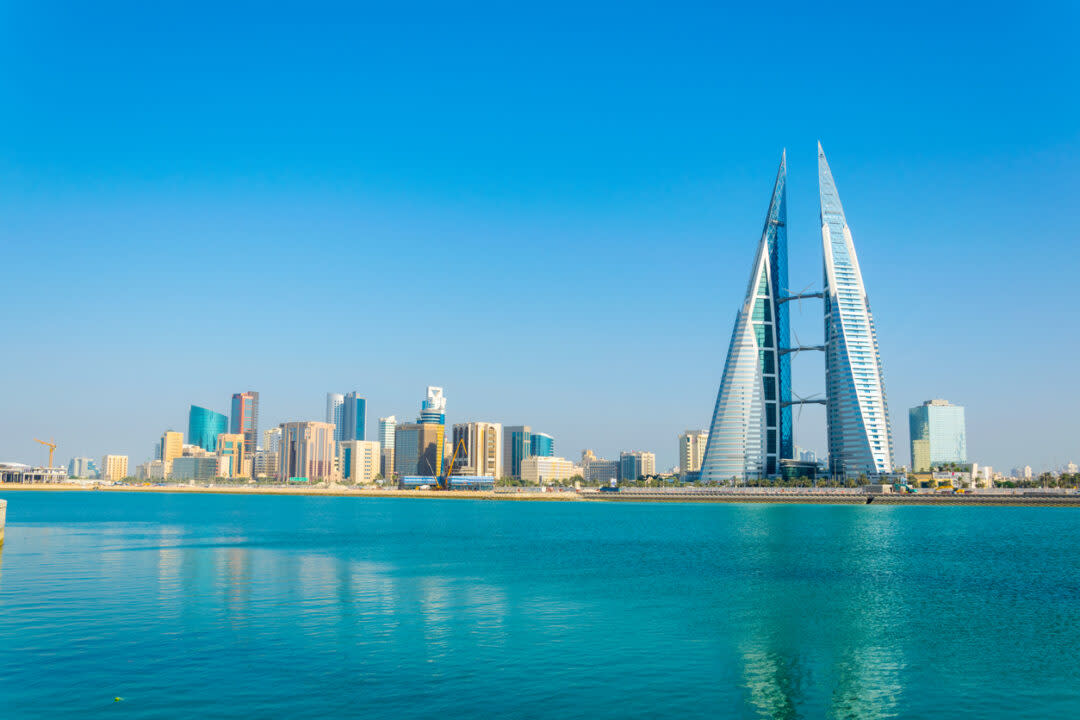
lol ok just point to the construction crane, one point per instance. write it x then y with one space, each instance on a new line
52 447
443 481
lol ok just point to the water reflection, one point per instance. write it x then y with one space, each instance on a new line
826 643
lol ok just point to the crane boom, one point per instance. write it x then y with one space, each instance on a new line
52 447
444 481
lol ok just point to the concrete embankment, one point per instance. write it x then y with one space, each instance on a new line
987 500
702 497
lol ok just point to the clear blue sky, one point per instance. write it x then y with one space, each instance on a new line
550 211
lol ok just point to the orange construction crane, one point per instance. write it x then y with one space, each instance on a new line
50 445
443 481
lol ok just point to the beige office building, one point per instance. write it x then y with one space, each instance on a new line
539 469
307 451
360 461
483 449
231 448
691 451
114 467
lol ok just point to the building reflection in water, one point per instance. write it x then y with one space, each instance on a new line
825 644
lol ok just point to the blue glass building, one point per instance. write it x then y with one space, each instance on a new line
541 444
204 426
517 445
353 417
751 425
857 413
938 435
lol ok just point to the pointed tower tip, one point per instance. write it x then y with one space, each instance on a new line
820 151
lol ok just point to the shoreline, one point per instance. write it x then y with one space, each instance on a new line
757 498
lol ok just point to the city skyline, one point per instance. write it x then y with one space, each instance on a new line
218 175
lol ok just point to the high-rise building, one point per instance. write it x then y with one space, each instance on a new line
857 412
230 446
483 449
751 424
359 461
387 427
636 464
353 417
171 447
204 426
245 418
82 467
541 444
335 413
541 469
938 435
517 444
271 440
114 467
433 409
418 449
307 451
691 451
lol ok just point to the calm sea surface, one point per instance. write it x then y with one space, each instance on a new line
234 607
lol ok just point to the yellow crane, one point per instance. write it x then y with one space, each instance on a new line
52 447
443 482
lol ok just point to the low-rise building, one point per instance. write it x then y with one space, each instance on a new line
151 470
83 467
265 463
360 460
230 448
19 473
538 469
600 472
195 468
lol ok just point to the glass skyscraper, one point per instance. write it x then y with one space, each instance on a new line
204 426
517 445
245 417
751 424
541 444
938 435
353 417
335 413
857 414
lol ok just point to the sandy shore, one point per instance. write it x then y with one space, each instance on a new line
333 491
673 496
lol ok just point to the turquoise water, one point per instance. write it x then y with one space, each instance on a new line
234 607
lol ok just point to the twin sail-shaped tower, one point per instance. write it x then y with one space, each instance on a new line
751 430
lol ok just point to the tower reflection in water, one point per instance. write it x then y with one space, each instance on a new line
827 646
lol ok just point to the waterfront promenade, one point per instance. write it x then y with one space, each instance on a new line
817 496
